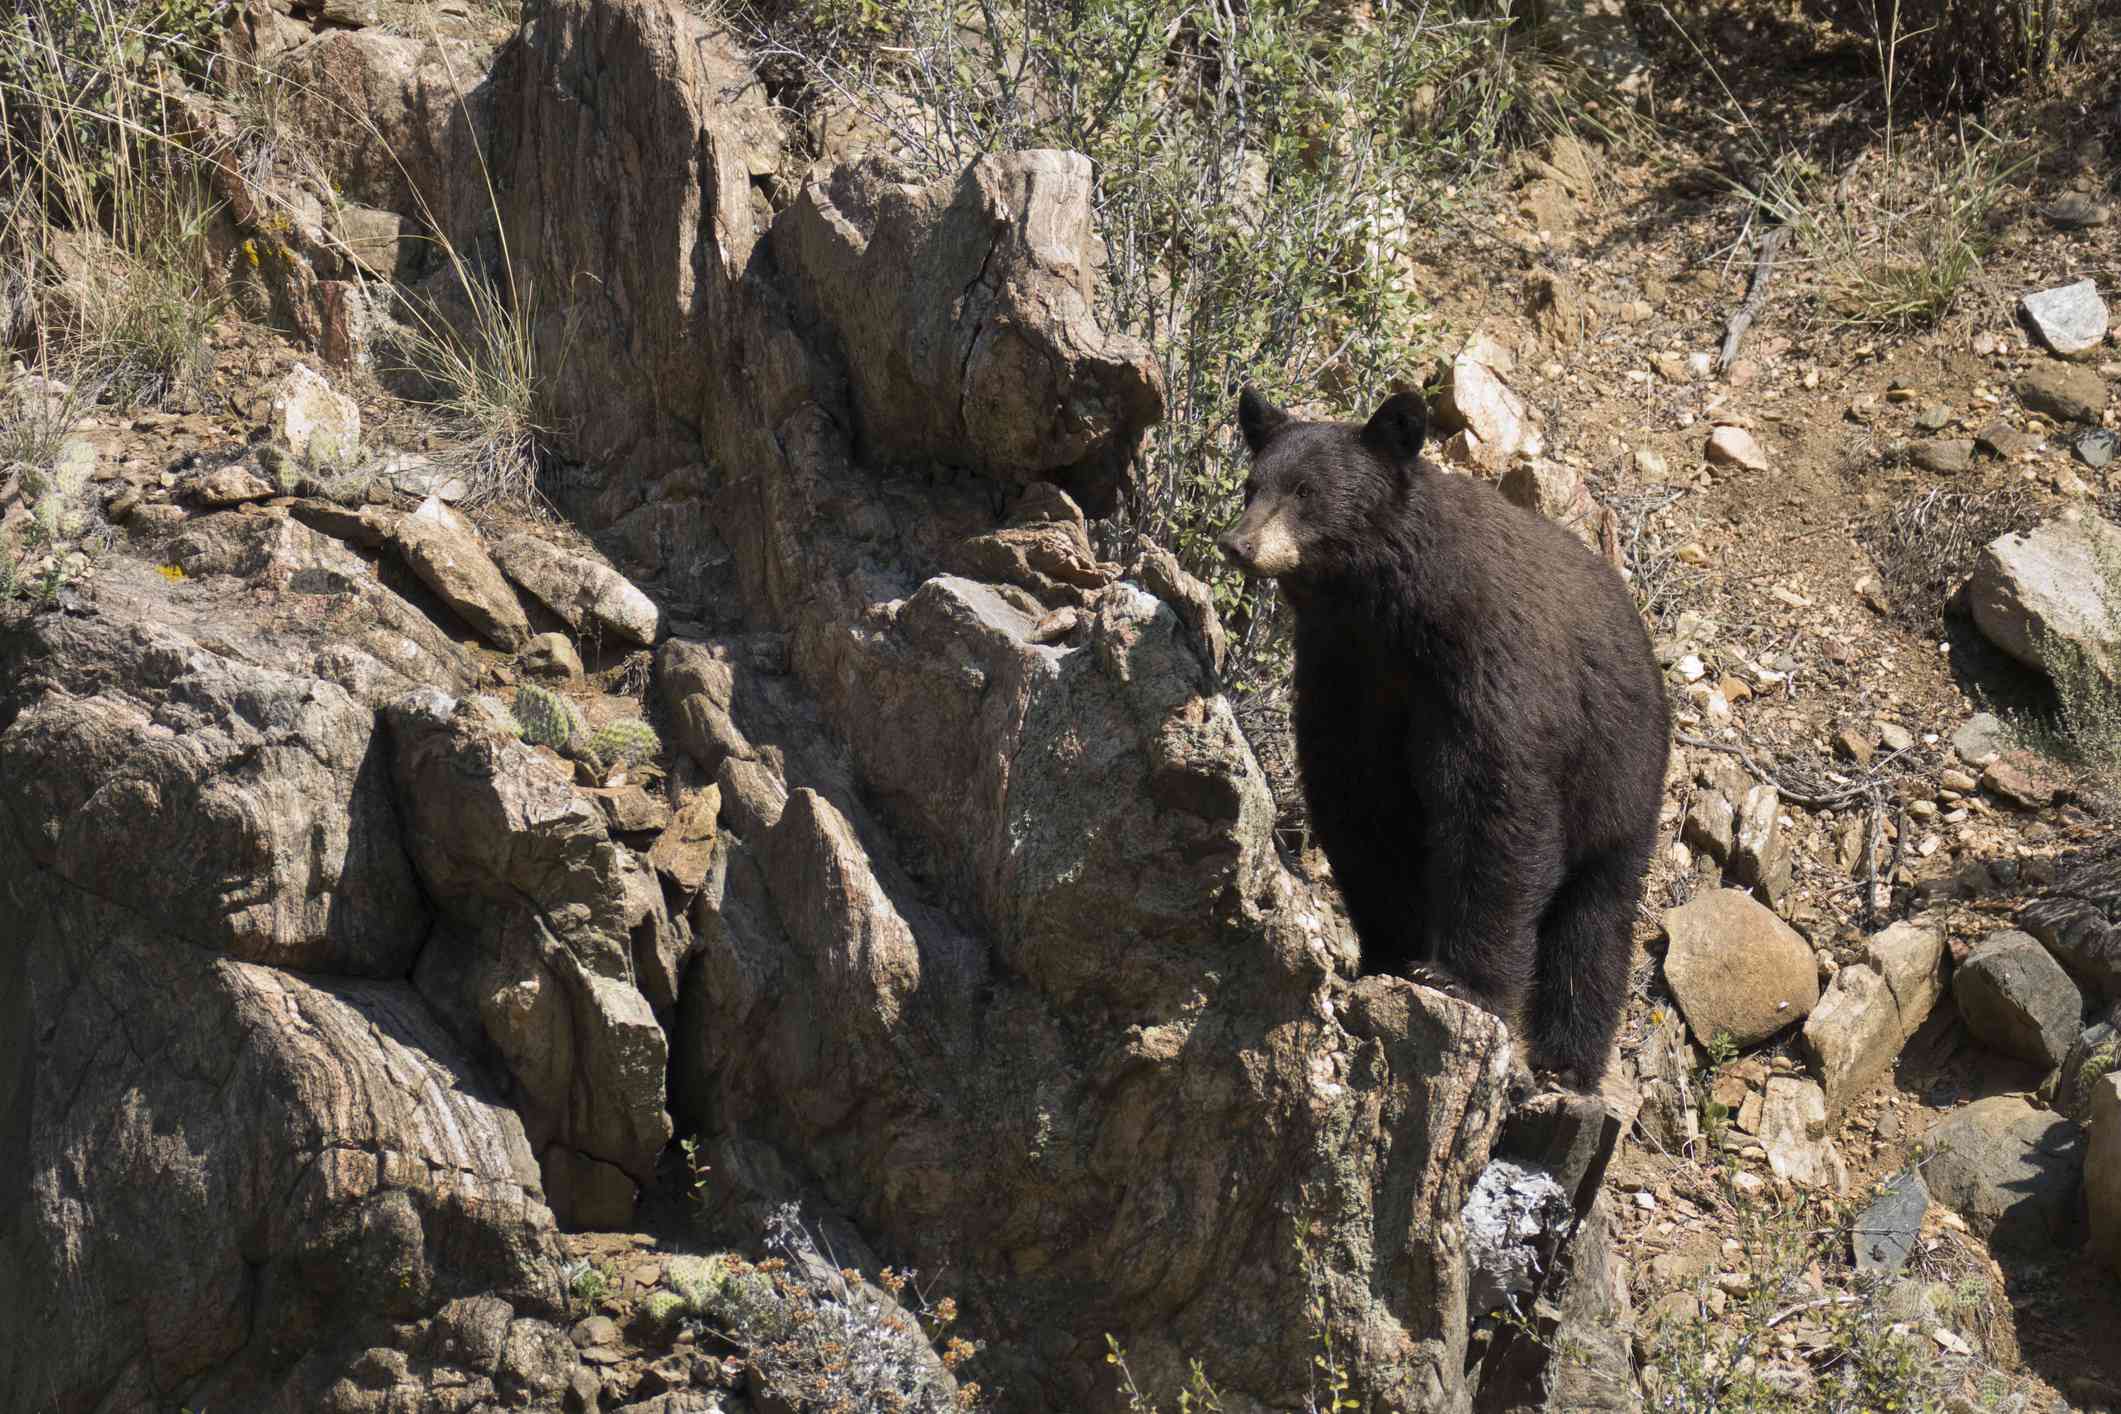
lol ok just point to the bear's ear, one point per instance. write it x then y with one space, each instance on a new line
1397 430
1259 419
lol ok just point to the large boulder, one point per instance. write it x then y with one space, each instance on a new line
446 551
589 597
2079 921
2054 591
2009 1169
549 928
1736 969
2102 1171
2016 999
964 312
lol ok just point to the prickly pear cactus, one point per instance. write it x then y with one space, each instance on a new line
631 742
544 718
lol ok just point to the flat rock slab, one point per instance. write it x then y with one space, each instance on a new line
2007 1168
2070 319
2063 391
2079 920
2052 587
1885 1232
1736 969
587 595
443 549
2016 999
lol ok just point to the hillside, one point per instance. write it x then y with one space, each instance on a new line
628 779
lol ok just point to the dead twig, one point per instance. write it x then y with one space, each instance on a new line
1755 293
1808 799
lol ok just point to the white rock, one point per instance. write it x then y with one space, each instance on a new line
319 426
1734 446
2070 319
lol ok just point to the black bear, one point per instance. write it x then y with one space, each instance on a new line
1481 728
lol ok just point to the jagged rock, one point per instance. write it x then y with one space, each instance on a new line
548 929
232 485
1557 492
318 425
2016 999
2009 1169
1734 446
1761 850
2023 779
1477 402
1872 1008
1736 969
191 1131
1981 739
2034 593
259 796
1944 455
2063 391
1666 1069
444 550
1045 550
551 655
586 595
587 1194
2070 319
1793 1130
966 315
1885 1233
1711 826
2102 1171
2079 920
630 809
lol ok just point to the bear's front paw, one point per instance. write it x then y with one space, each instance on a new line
1435 978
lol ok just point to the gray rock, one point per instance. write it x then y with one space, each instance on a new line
1794 1131
2007 1168
1872 1008
1946 455
2016 999
258 797
2096 448
2001 439
588 597
1511 1219
1711 826
318 425
547 926
2063 391
1933 418
1886 1232
1982 737
1736 969
2052 584
1761 855
2070 319
2075 211
444 550
2102 1171
2079 920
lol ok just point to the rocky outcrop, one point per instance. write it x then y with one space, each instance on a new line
2052 597
224 1182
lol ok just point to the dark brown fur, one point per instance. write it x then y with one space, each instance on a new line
1480 725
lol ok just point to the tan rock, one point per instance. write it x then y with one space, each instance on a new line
1736 969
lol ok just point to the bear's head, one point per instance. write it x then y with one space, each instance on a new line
1319 489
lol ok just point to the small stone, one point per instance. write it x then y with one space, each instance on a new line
1894 737
1711 826
1793 1128
317 424
1933 418
1690 668
2065 391
2000 439
1761 858
1854 745
551 655
1945 455
1982 739
1958 781
2019 778
231 486
1734 446
2070 319
2096 448
2016 999
595 1330
1651 464
2075 211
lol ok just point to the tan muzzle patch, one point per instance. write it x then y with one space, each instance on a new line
1273 548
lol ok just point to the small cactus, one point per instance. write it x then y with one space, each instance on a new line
631 742
544 718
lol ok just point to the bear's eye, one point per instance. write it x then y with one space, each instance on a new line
1303 490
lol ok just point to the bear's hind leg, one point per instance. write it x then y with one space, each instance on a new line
1580 981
